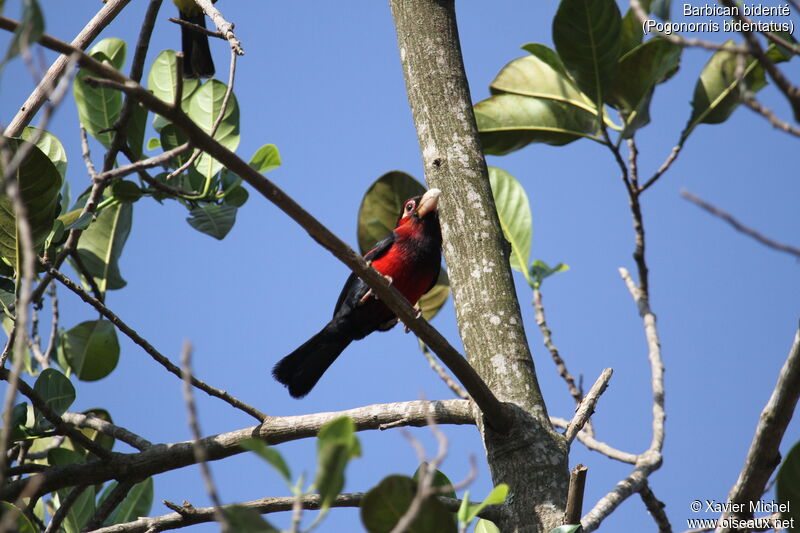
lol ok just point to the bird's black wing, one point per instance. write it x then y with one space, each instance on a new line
354 288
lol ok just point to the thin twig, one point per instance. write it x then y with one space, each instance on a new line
147 347
151 162
673 155
586 407
87 276
198 28
751 102
199 451
54 318
223 26
738 226
656 509
443 375
595 445
84 420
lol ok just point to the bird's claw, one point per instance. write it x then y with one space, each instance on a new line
418 309
370 293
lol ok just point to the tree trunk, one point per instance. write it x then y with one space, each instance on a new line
532 458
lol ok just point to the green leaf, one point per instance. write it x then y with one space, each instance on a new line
64 456
717 92
495 497
23 524
514 212
28 32
236 197
204 107
8 295
101 245
39 186
270 455
81 510
214 220
136 128
55 389
91 348
50 146
266 158
486 526
99 108
661 9
337 444
377 217
540 75
539 270
787 485
383 506
137 503
19 423
382 205
161 81
439 480
638 73
153 143
172 137
463 509
630 33
566 529
508 122
778 53
74 219
126 191
586 36
245 520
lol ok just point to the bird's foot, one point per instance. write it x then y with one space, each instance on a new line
370 293
418 309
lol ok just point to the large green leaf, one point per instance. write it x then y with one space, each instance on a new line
439 480
717 92
55 389
486 526
81 510
787 485
468 512
137 503
508 122
514 212
23 524
638 73
161 81
204 108
172 137
266 158
99 108
91 348
102 242
272 456
50 146
586 35
214 220
39 185
377 217
337 444
631 33
540 75
384 505
136 128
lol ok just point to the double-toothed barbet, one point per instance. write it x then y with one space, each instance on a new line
410 257
197 62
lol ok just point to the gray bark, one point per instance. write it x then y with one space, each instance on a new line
532 457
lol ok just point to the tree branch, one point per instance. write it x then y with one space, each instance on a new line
147 347
587 405
82 420
477 388
656 509
275 430
738 226
103 18
764 455
223 26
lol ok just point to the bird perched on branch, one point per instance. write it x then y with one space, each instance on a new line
197 62
410 258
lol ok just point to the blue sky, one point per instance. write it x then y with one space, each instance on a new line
322 81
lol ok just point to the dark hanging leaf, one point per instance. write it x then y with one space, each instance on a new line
214 220
126 191
337 444
383 506
586 34
28 32
99 108
137 503
56 390
101 245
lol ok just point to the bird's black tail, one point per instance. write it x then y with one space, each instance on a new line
301 369
197 62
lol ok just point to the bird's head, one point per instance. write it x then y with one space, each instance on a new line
420 207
